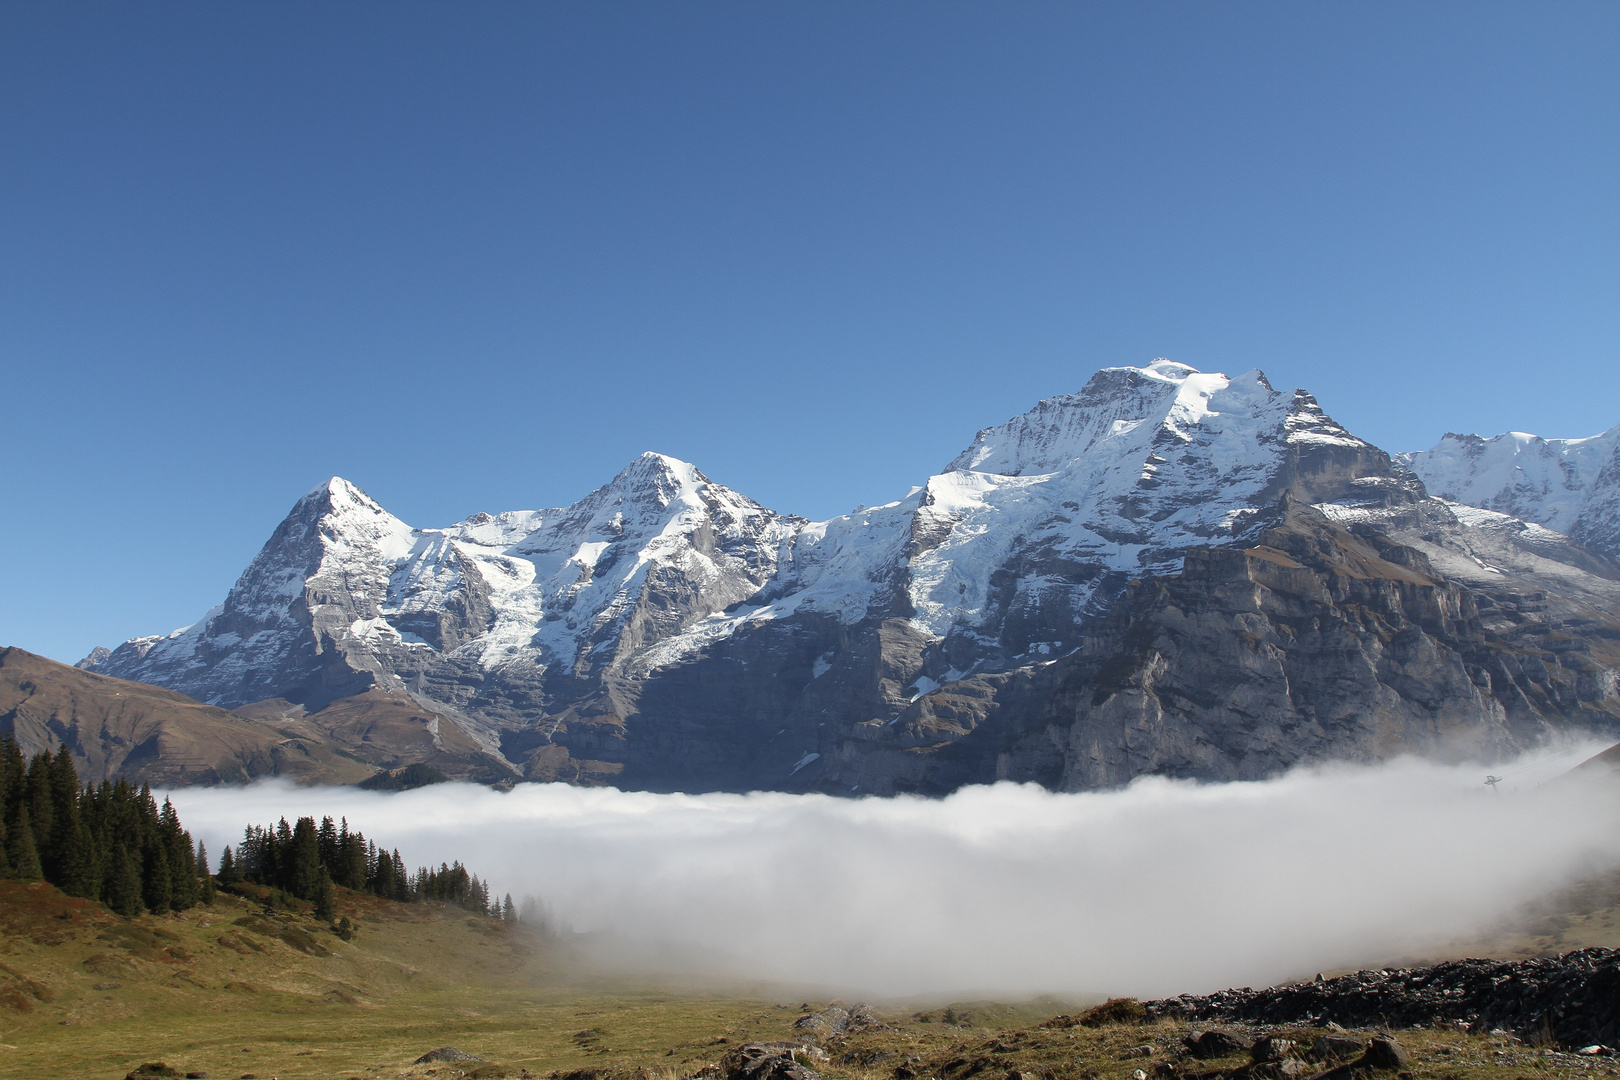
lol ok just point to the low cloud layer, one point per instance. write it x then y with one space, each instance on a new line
1164 887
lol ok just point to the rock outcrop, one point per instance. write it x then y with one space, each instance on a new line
1571 1000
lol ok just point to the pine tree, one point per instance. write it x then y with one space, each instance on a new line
509 910
124 884
228 873
323 896
327 839
37 798
202 860
404 890
24 854
12 771
184 889
156 887
306 869
77 872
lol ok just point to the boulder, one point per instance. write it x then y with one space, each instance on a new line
766 1061
1213 1044
1271 1048
836 1019
1385 1053
1335 1048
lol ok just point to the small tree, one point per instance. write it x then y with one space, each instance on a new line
229 872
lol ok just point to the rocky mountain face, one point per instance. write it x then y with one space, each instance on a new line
1168 572
1569 485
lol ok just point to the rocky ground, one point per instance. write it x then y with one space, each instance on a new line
1571 1000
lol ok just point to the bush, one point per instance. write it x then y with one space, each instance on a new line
1113 1011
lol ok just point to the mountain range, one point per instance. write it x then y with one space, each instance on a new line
1168 572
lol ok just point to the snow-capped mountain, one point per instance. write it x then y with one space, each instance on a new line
666 631
1569 485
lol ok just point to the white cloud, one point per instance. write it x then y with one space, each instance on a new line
1161 888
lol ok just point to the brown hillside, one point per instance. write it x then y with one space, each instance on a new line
386 730
150 735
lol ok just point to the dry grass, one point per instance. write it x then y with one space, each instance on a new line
228 991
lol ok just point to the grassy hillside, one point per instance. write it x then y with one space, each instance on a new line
150 735
235 990
229 989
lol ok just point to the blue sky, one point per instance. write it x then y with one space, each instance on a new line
476 257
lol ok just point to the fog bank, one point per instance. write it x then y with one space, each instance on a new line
1161 888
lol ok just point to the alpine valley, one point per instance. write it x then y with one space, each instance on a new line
1169 572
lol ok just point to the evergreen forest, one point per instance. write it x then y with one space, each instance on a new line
113 843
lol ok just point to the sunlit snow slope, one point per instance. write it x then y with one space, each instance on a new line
1569 485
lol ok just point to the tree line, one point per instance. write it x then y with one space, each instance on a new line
305 860
108 842
113 843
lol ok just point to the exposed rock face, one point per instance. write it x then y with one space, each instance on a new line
1312 644
1168 572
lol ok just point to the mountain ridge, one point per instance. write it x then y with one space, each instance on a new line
680 631
1569 485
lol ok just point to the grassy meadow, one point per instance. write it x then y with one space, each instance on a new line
235 990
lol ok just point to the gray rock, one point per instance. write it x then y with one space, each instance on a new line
1336 1048
446 1053
1213 1044
765 1061
1271 1048
1383 1052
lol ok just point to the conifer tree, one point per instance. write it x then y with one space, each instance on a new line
124 884
303 880
24 855
202 860
78 872
323 896
12 770
37 799
156 888
509 910
184 889
327 838
228 872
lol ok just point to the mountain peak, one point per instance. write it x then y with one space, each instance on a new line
659 468
337 495
1117 403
